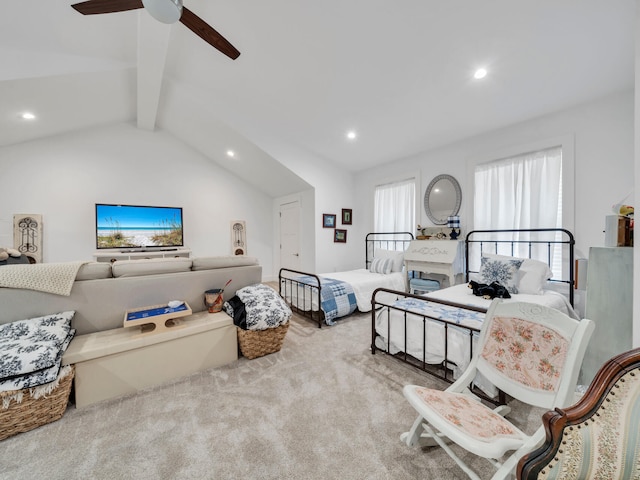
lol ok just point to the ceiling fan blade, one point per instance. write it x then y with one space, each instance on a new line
93 7
208 33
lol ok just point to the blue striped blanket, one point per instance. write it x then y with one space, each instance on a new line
337 298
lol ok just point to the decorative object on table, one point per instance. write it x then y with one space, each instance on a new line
239 237
421 235
261 317
618 231
214 298
328 220
27 235
453 222
340 236
347 216
622 208
157 318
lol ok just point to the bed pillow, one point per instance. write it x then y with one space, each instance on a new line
397 258
381 265
532 275
503 271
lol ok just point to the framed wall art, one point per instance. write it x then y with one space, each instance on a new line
347 216
328 220
340 236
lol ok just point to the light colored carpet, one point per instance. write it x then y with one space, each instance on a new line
321 408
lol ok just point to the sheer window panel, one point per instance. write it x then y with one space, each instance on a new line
394 207
521 192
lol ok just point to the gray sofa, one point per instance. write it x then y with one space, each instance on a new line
102 292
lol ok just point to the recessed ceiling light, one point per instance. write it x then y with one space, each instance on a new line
28 116
480 73
231 153
351 135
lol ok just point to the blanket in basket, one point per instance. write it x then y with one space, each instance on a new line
337 298
31 350
257 307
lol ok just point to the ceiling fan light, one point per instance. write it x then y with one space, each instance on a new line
165 11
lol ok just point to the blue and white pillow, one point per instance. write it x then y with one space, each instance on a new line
502 271
381 265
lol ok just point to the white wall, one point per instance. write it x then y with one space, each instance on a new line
62 178
602 132
333 190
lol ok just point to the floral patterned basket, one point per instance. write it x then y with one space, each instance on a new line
29 408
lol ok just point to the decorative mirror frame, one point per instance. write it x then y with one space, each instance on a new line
458 190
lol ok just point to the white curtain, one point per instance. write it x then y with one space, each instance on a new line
395 204
522 192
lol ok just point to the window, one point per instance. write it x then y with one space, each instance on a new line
521 192
394 206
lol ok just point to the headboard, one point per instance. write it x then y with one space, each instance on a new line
555 246
397 241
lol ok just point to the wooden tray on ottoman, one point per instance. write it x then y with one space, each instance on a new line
257 343
33 412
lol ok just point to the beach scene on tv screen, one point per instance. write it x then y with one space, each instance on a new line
125 226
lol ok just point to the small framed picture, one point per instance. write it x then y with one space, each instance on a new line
346 216
340 236
328 220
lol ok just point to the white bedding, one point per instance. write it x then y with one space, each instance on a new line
458 339
362 281
462 294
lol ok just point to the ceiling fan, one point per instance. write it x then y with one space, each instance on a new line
165 11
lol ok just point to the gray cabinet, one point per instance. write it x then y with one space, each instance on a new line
609 305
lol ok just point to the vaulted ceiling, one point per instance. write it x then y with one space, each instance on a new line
399 73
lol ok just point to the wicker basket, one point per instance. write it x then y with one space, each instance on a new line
33 412
256 343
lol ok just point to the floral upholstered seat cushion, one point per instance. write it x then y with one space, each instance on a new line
469 415
527 352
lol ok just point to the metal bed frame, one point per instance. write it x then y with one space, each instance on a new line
308 292
480 239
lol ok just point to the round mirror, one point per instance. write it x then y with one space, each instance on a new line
442 199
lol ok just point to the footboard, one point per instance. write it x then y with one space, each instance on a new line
302 292
433 335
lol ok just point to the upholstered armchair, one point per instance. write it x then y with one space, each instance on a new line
599 436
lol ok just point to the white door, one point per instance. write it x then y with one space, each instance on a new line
290 235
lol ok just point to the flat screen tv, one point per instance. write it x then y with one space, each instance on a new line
138 226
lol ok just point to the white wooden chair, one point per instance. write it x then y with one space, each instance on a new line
530 352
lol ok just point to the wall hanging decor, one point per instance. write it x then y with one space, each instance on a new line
347 216
340 236
239 237
328 220
27 235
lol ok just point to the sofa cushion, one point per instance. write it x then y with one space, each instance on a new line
149 266
94 270
208 263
